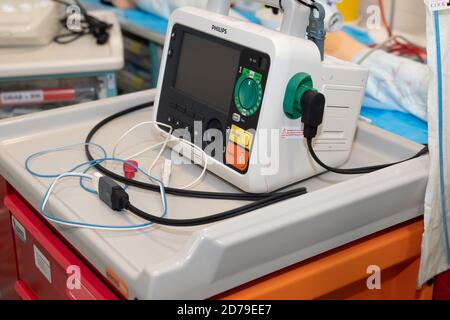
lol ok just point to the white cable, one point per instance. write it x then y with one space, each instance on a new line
126 133
168 137
137 154
163 145
167 171
66 174
204 164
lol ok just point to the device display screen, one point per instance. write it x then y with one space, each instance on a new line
207 71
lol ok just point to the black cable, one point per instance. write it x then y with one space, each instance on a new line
219 216
360 170
88 25
169 190
313 107
309 5
115 197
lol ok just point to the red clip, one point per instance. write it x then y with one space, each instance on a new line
128 170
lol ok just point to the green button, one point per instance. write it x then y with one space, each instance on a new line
248 93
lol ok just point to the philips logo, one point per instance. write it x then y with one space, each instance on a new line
219 29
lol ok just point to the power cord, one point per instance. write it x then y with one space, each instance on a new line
313 104
113 193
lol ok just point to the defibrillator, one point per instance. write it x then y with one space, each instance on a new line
236 90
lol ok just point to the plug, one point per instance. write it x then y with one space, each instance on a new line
96 181
113 195
129 169
313 104
167 170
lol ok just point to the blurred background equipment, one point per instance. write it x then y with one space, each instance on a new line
349 9
54 75
28 22
334 21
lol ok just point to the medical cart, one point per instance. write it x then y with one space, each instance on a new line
323 245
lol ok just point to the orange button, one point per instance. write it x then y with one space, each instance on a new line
241 137
237 156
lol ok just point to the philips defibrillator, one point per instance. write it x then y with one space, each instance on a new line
239 91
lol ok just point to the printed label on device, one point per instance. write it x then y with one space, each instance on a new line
42 264
291 133
21 97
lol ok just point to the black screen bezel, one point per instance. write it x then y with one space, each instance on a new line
175 102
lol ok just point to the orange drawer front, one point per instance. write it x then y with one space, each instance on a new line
344 273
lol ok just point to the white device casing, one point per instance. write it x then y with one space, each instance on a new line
342 83
28 22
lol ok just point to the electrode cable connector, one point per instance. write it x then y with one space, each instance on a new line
112 194
116 198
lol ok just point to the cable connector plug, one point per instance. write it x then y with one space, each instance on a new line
313 104
167 170
130 168
113 195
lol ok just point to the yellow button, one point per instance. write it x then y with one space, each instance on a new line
241 137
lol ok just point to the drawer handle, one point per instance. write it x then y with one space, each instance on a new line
24 291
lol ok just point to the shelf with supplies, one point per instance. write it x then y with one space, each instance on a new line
142 59
143 39
27 95
55 75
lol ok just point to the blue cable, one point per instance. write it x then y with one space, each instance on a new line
91 164
443 206
83 224
65 148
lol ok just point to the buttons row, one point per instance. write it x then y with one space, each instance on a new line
182 108
177 124
241 137
236 156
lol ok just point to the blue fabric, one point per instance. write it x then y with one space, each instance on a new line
382 116
137 17
359 35
400 123
250 16
150 21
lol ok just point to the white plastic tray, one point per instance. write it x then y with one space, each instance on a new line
80 56
200 262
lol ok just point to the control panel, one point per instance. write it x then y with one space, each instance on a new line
213 84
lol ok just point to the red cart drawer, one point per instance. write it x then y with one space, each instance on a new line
8 273
47 268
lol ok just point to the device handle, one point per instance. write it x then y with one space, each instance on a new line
295 18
